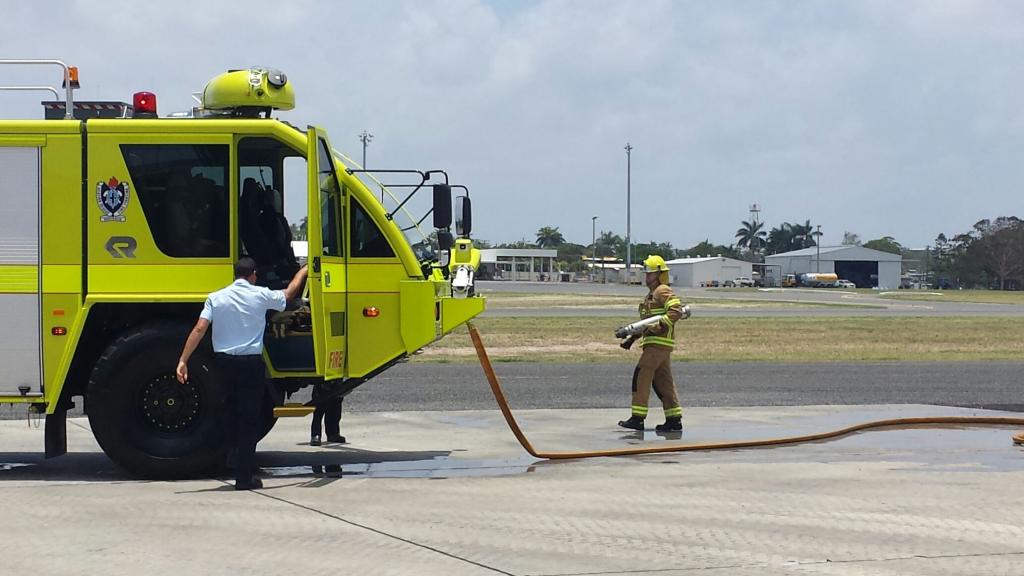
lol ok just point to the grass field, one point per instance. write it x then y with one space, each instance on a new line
981 296
798 339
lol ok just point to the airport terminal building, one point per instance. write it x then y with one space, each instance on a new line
864 267
518 264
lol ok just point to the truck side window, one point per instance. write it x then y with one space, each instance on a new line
367 239
330 203
183 192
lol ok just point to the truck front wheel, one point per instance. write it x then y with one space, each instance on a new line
144 419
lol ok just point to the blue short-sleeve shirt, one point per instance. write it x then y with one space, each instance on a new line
238 314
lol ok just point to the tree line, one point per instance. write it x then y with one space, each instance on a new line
571 256
989 255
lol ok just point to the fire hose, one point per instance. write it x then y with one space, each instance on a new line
506 411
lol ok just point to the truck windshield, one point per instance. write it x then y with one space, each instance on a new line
413 218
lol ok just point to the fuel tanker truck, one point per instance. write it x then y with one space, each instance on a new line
817 280
116 223
810 279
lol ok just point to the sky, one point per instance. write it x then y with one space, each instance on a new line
880 118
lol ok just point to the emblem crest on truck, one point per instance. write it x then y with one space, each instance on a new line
112 196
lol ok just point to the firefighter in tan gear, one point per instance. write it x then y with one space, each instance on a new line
659 311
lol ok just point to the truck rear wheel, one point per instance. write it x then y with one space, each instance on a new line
267 418
144 419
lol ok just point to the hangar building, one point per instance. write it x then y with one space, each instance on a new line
694 272
864 267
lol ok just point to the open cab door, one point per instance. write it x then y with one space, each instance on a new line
327 279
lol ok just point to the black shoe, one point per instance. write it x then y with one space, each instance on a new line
634 423
336 438
250 485
314 440
670 425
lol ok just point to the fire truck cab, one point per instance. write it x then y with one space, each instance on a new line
113 231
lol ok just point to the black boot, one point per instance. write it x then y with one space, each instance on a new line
672 424
634 423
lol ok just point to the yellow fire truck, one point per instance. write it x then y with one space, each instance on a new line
113 230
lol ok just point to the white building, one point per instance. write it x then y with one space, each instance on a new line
522 264
706 271
864 267
497 263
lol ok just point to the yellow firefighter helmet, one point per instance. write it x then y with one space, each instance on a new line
655 263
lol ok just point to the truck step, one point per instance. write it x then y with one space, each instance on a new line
292 411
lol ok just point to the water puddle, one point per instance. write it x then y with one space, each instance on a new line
438 469
8 466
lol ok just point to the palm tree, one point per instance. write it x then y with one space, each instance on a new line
780 239
549 237
751 236
609 244
803 235
299 230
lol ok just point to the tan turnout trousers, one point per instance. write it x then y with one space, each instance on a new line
655 368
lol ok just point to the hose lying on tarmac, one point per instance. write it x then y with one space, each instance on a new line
485 363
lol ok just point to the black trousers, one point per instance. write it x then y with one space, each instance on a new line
247 386
328 413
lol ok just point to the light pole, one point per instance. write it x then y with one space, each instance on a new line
927 257
593 244
365 137
629 253
817 244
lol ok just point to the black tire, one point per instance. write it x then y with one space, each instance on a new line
144 419
267 418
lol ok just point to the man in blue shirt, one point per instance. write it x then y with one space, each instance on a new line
238 315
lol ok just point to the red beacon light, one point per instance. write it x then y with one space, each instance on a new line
144 104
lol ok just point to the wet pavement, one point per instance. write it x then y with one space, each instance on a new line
452 492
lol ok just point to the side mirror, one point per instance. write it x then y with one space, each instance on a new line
463 216
442 206
444 240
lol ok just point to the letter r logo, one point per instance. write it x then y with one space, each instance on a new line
121 246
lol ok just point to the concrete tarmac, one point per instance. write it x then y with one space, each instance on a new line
430 387
993 385
451 492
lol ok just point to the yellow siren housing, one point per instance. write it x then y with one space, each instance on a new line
255 88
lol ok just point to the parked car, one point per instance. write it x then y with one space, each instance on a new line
844 284
744 282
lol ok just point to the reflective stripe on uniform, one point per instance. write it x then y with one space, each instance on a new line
673 412
672 303
639 410
660 340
